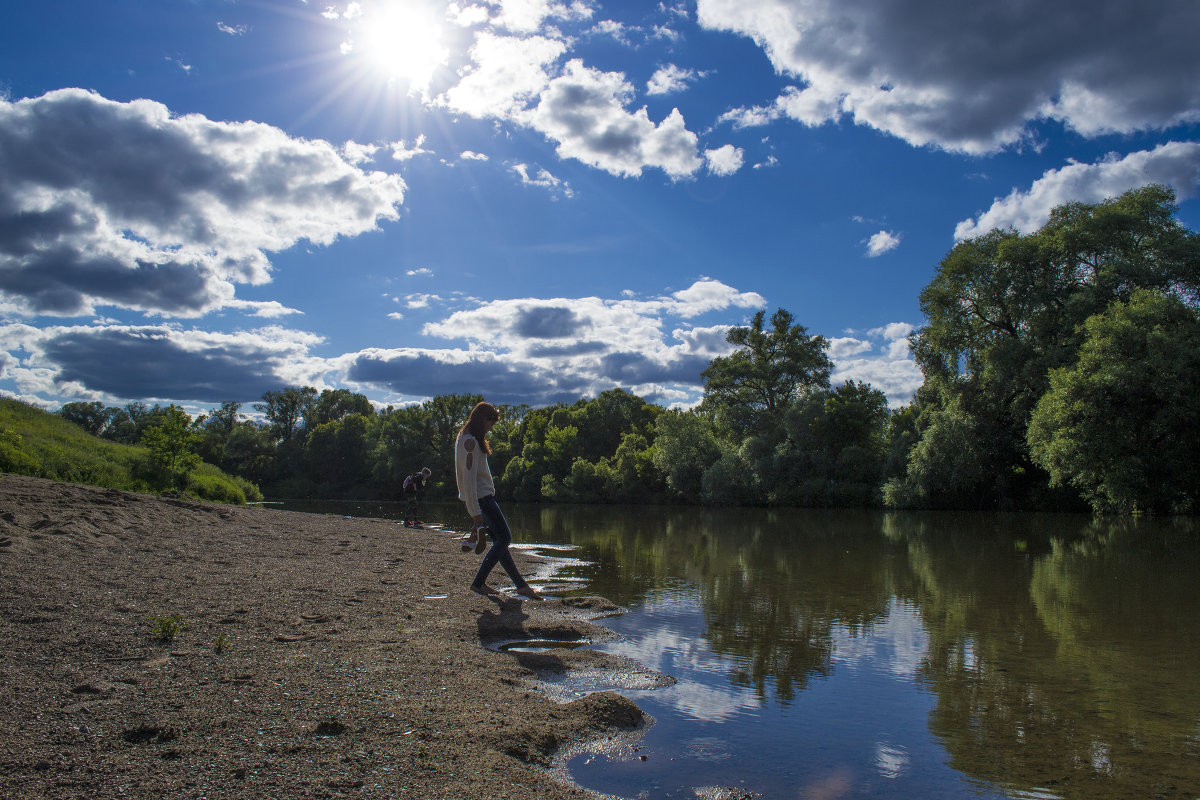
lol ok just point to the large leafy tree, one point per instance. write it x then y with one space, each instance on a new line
89 416
770 368
287 409
1122 424
1005 309
335 404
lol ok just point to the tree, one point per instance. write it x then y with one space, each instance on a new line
337 452
1005 309
226 417
286 410
89 416
768 370
334 404
172 442
686 445
1122 424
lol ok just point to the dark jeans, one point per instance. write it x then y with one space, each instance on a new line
501 539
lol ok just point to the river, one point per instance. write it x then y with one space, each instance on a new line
850 654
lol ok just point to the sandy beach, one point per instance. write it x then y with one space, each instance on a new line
158 647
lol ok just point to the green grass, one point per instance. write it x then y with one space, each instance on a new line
44 445
166 628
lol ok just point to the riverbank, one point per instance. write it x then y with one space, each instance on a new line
158 647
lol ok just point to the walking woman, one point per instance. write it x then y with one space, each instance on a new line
476 490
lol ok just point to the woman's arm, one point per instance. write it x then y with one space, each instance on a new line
468 459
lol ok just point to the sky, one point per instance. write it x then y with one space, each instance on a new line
537 200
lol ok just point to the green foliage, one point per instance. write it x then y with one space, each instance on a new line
287 410
172 443
767 372
208 483
335 404
1122 424
686 445
1004 311
337 452
947 465
34 442
166 628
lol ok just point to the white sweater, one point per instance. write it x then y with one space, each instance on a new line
472 471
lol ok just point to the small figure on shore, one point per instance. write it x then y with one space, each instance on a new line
414 487
476 490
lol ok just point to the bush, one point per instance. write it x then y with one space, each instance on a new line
13 457
251 492
215 487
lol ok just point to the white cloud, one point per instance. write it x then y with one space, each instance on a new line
1175 164
171 225
881 359
584 111
471 155
882 242
725 160
357 153
402 152
561 348
670 78
543 180
617 30
915 68
420 271
707 295
845 346
467 16
232 30
526 16
893 331
507 73
421 300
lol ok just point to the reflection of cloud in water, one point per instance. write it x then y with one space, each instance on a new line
893 645
549 567
890 761
670 641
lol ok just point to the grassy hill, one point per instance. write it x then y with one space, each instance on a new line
44 445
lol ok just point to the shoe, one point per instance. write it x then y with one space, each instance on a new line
468 544
482 544
529 593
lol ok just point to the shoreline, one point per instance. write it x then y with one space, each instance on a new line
309 656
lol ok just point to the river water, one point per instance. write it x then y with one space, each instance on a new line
843 654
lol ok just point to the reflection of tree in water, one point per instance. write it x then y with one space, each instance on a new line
1062 653
774 586
1072 669
773 598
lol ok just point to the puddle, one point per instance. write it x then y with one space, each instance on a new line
540 645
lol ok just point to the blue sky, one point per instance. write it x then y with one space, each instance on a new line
204 200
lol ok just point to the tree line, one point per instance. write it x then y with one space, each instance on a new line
1061 371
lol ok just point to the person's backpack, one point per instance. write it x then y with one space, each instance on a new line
410 483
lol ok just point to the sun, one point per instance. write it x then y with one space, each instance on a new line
403 39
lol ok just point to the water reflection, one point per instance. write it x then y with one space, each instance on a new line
856 654
1060 651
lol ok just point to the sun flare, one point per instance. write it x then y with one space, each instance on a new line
404 40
